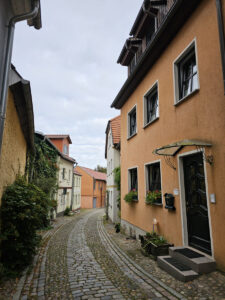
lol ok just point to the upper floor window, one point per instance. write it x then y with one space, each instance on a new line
186 73
151 105
65 149
63 173
135 59
132 122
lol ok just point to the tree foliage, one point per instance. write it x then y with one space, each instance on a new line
117 178
101 169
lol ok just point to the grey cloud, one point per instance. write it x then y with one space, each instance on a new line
71 63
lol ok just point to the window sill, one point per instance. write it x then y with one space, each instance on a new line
130 137
187 97
153 121
158 204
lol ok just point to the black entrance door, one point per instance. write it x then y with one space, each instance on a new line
196 203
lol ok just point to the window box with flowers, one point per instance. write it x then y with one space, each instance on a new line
154 197
132 196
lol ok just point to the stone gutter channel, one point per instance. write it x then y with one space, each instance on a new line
134 271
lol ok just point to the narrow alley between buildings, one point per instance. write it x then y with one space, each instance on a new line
83 258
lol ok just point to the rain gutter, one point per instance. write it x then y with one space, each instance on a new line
221 36
7 62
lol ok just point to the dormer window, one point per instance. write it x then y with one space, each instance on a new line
150 30
65 149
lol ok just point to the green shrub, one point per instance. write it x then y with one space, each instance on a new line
67 211
24 209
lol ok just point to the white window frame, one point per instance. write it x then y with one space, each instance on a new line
152 88
146 176
128 122
176 63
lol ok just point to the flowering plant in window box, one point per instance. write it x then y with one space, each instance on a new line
132 196
153 197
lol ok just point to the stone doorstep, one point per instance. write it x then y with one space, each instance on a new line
201 265
176 273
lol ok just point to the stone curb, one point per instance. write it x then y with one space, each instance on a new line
139 271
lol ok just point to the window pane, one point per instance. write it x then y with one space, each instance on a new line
152 106
188 74
154 177
132 117
187 70
133 179
195 82
186 88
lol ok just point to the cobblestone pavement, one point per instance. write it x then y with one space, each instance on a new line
208 286
82 259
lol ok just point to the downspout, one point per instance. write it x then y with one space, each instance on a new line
221 36
7 63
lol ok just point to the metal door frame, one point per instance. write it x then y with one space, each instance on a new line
183 200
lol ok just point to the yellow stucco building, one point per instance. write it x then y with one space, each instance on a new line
18 136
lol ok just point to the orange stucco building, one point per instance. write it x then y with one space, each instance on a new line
93 188
173 125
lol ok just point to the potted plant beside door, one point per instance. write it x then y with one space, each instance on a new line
154 244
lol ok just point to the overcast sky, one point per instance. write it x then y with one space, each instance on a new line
71 64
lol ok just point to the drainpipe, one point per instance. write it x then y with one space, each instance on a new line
7 63
221 36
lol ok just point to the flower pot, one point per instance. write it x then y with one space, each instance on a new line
160 250
152 249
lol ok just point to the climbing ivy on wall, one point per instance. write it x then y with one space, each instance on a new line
117 176
42 167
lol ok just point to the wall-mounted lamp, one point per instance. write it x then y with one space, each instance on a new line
155 222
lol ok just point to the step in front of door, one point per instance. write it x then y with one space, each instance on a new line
198 262
176 268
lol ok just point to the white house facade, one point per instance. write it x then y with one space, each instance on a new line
65 183
112 154
76 202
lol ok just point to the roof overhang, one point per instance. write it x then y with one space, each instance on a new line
148 10
129 49
177 16
174 148
23 101
25 6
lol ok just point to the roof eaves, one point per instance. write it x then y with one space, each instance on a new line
178 13
36 22
23 101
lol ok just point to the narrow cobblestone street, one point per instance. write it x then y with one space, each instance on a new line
80 260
